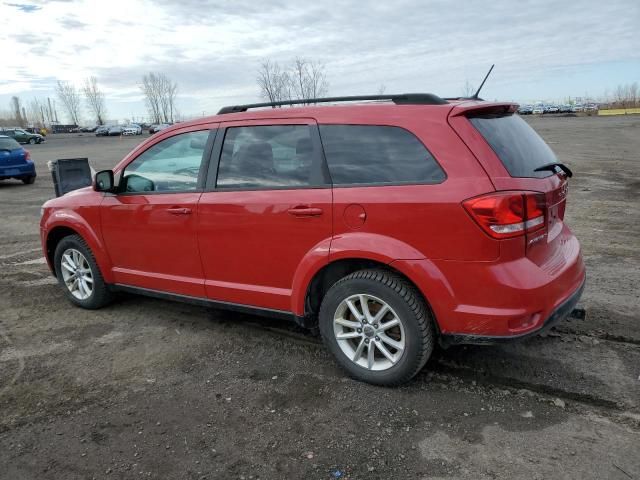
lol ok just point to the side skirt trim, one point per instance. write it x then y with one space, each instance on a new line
206 302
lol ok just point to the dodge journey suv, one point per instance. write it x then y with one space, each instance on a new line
390 225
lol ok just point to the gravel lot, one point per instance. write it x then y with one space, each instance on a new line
153 389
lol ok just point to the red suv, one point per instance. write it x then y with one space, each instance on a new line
390 225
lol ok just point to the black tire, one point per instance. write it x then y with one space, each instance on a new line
28 180
410 307
31 141
100 295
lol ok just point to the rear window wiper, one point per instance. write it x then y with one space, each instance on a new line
552 167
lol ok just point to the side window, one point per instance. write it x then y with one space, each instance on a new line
373 154
170 165
274 156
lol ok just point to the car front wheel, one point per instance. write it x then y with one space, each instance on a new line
378 327
29 180
79 275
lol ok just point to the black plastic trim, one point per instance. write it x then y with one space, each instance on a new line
559 314
398 99
206 302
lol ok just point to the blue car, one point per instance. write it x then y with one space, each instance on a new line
15 161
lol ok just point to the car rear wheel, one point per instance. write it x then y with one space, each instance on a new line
31 141
79 275
29 180
378 327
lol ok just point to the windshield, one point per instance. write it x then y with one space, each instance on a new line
516 144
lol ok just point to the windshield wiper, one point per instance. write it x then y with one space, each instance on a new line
552 168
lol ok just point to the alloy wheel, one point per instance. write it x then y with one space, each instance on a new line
369 332
76 274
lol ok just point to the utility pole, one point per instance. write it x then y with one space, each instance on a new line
50 111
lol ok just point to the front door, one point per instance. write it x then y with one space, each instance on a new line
149 227
269 206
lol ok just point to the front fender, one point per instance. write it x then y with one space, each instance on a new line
83 225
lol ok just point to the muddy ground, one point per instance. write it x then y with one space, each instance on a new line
152 389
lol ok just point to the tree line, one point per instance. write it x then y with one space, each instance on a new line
159 93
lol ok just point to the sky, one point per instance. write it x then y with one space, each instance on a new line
543 50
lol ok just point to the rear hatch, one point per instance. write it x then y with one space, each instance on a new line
11 153
512 154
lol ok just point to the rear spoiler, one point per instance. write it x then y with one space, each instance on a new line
479 108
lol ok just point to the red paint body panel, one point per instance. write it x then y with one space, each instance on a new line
251 246
245 247
149 246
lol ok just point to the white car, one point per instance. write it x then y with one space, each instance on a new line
538 109
129 130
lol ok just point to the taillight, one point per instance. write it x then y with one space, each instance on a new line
508 214
27 154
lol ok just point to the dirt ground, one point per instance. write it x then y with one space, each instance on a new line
152 389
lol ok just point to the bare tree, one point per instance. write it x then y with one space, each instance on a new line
275 84
160 96
70 98
37 112
303 79
94 98
468 90
17 111
310 79
381 89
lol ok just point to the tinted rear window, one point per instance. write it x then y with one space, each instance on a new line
372 154
8 143
518 146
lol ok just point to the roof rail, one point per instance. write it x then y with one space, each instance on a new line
401 99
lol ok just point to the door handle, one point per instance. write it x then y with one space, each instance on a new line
179 211
303 211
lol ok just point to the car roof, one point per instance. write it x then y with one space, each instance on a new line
364 112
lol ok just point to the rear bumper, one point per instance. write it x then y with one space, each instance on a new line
489 301
17 171
559 314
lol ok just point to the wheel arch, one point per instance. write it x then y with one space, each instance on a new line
325 277
57 230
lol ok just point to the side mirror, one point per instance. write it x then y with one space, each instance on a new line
104 181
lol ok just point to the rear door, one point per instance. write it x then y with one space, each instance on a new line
511 151
267 206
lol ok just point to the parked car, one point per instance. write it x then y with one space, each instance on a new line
22 136
102 131
538 110
115 131
15 161
137 129
591 107
577 108
155 128
551 109
525 110
566 108
390 226
129 131
89 129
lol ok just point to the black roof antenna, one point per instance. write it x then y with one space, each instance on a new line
475 96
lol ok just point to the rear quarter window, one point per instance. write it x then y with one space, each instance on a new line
517 145
375 154
8 144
